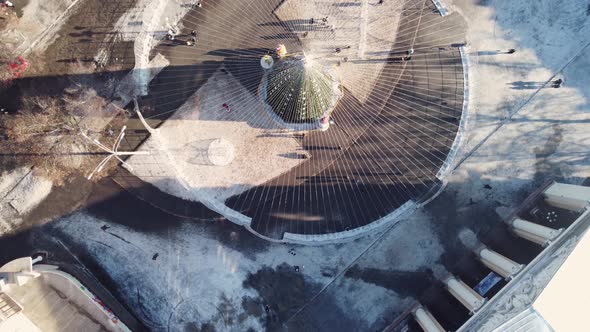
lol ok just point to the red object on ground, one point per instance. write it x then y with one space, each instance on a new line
16 68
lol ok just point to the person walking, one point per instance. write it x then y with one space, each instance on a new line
226 106
408 56
171 35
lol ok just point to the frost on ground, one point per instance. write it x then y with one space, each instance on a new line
215 283
546 137
546 36
383 282
186 278
20 192
178 165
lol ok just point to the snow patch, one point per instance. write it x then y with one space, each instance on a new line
20 192
469 239
29 192
194 276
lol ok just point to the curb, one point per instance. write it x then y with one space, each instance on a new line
448 165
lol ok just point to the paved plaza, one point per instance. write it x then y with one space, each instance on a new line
392 131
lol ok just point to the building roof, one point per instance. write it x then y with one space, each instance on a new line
49 310
43 298
565 300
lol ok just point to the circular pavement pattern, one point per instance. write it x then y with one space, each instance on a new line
402 81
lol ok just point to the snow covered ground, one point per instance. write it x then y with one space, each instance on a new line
186 276
20 192
537 132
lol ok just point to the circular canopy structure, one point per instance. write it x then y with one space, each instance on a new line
387 78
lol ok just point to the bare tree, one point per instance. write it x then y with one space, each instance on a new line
45 133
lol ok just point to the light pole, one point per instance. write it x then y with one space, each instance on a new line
113 153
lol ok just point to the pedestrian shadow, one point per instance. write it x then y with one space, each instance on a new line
347 4
89 33
281 36
386 52
481 53
278 133
526 85
319 148
496 52
300 25
293 155
383 60
75 60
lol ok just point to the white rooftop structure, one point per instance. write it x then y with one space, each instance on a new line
43 298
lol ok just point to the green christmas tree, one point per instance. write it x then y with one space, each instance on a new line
298 91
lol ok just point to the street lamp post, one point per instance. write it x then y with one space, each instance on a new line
112 152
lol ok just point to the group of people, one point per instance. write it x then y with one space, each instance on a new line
192 41
172 32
